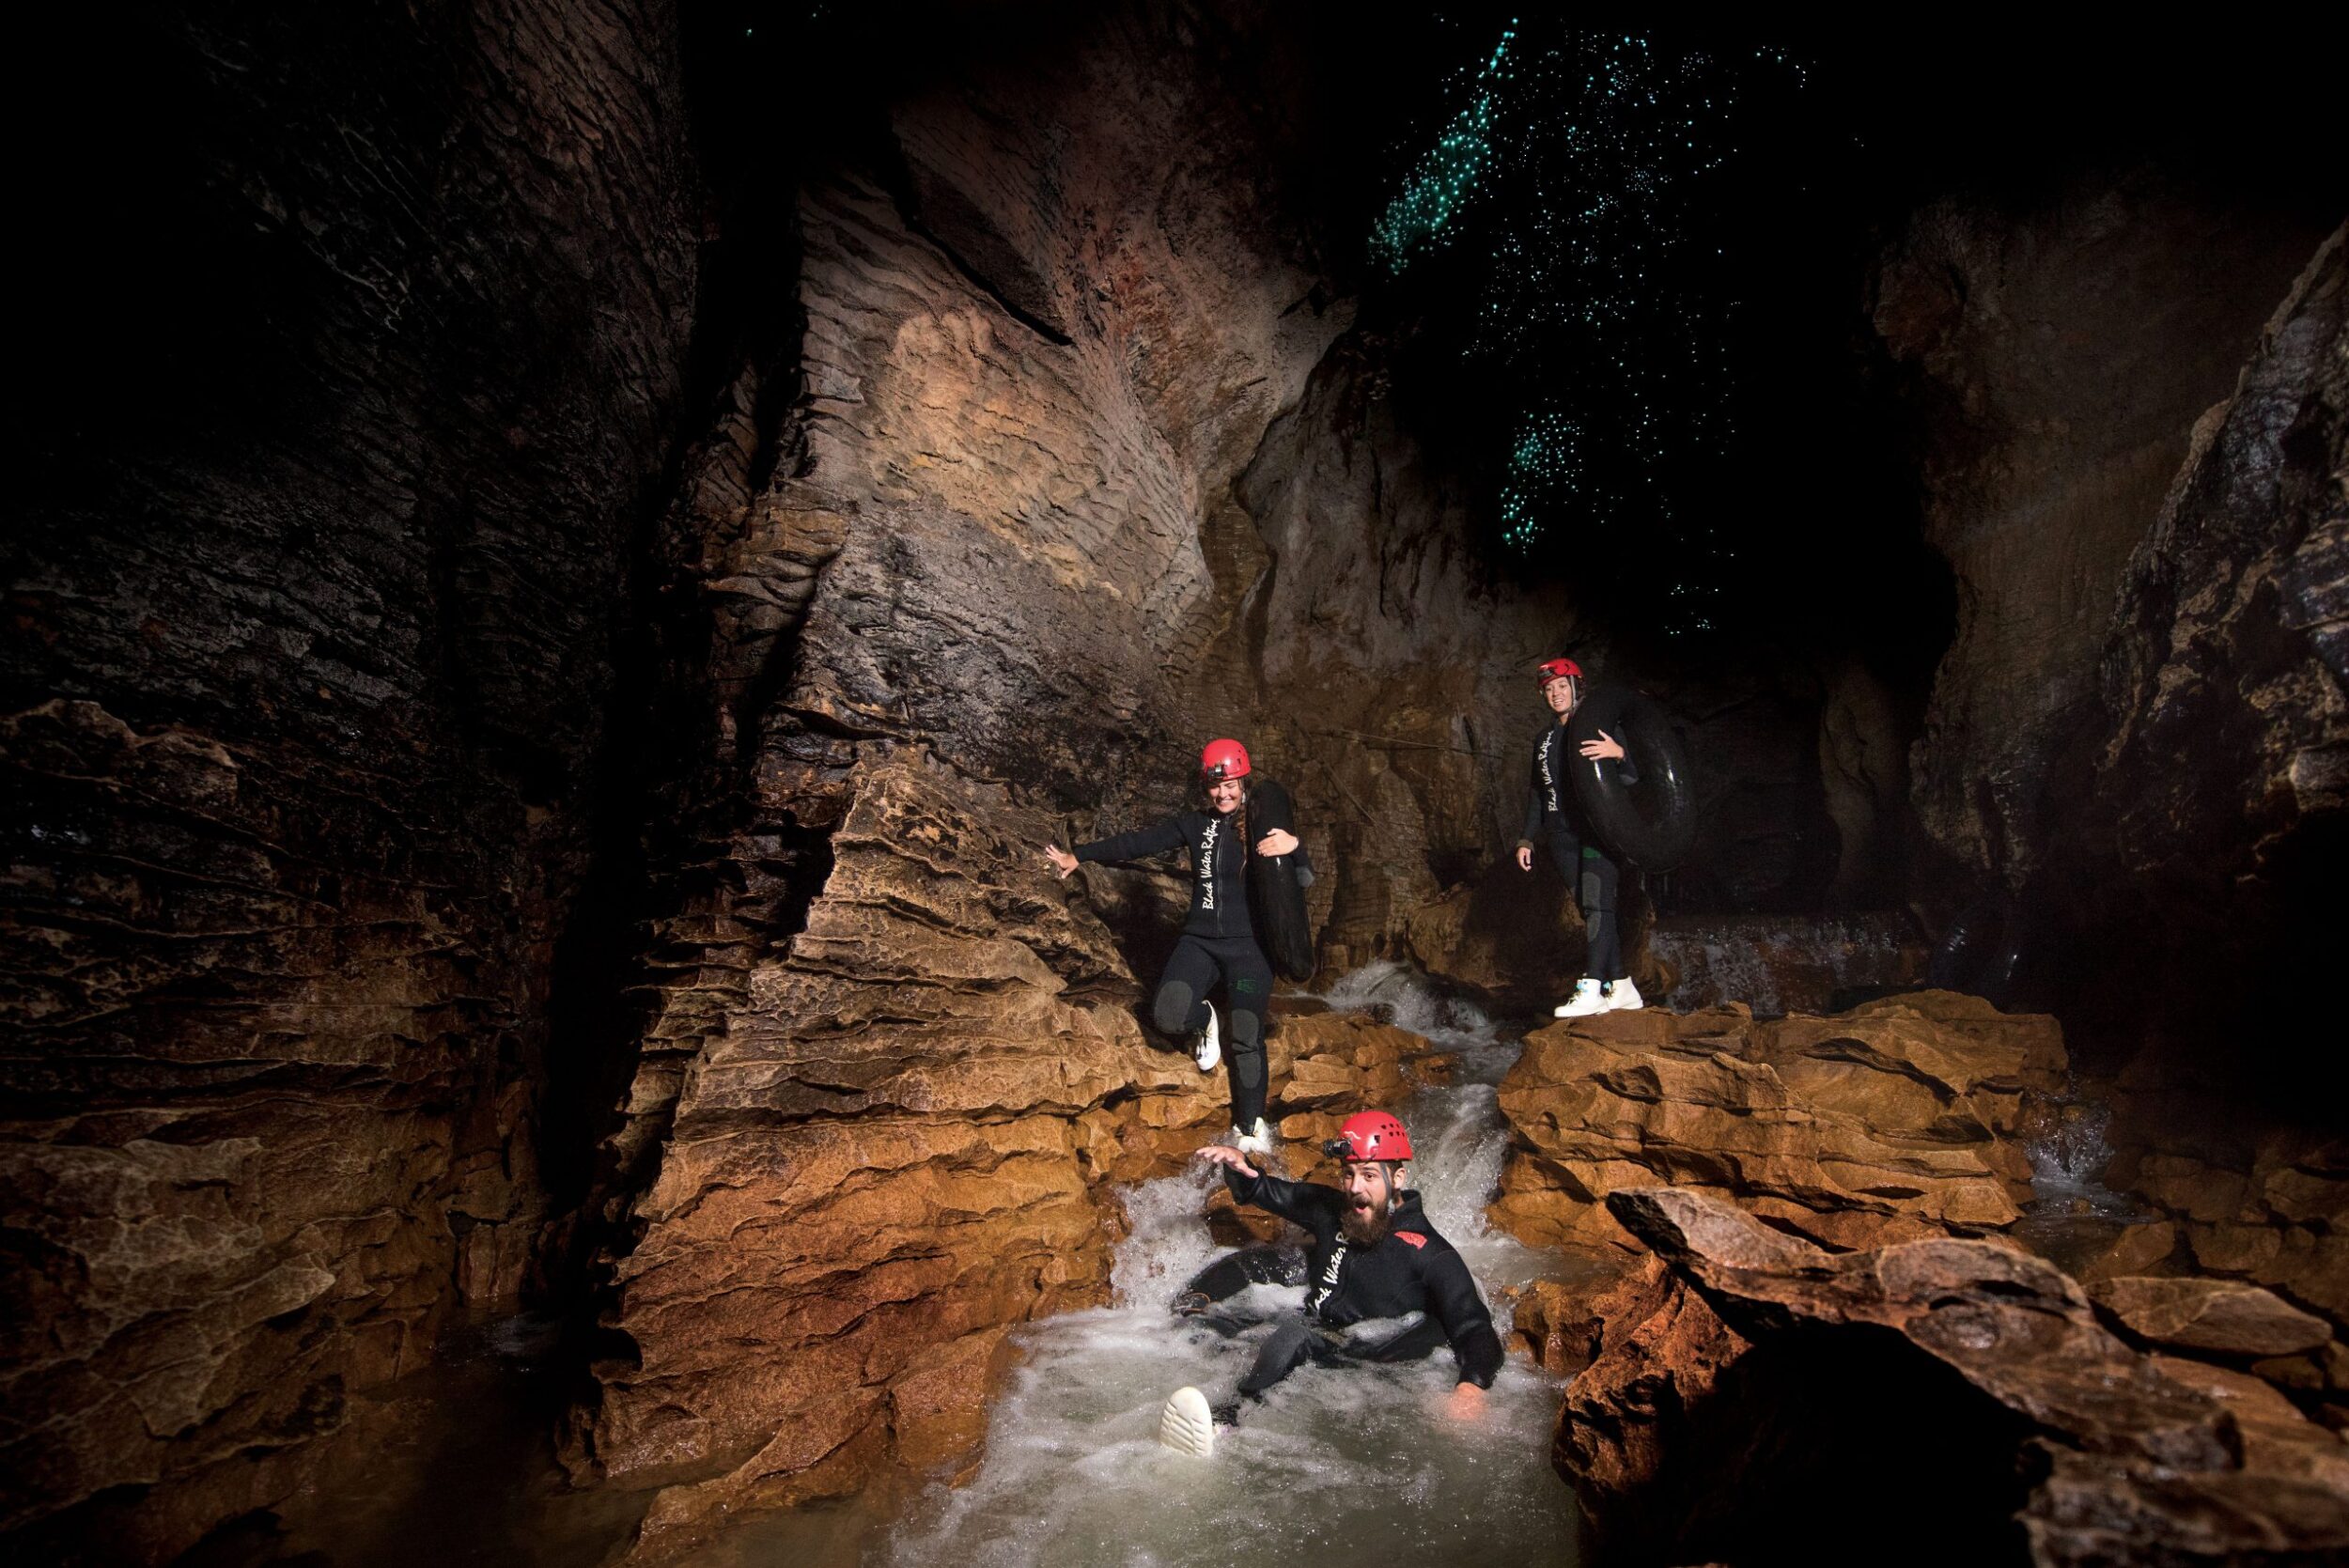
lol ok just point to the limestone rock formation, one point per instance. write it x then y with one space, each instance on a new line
1749 1384
305 678
898 1143
2259 1205
2233 625
2058 360
2221 1317
1895 1121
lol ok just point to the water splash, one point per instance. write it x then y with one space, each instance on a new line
1344 1459
2067 1138
1776 964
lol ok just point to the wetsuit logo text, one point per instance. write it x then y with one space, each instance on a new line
1328 1285
1206 865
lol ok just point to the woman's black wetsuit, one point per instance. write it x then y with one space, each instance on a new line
1553 818
1216 940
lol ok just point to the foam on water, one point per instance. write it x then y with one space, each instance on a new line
1335 1458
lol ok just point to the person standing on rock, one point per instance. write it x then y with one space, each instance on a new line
1380 1284
1218 942
1552 819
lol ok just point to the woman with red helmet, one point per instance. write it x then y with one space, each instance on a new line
1218 941
1552 820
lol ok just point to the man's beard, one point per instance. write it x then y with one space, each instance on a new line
1363 1226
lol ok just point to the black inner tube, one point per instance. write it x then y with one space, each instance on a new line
1276 902
1652 824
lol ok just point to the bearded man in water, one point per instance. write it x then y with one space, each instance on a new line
1380 1284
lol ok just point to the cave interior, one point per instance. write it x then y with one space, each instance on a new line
526 760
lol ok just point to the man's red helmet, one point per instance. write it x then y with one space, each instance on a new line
1223 760
1371 1134
1550 669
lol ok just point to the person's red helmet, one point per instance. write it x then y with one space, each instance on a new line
1371 1134
1223 760
1550 669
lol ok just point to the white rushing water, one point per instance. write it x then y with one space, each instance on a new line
1345 1459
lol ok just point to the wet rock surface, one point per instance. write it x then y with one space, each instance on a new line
1745 1369
1897 1120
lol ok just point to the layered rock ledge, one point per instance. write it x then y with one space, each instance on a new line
1898 1120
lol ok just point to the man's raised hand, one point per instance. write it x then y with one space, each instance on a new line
1216 1154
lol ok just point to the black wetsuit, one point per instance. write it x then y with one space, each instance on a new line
1410 1272
1216 940
1553 818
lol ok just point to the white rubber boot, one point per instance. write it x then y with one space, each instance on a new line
1256 1141
1186 1425
1211 1047
1585 1000
1624 998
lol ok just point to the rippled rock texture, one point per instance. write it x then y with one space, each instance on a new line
901 1146
1898 1120
1758 1400
305 674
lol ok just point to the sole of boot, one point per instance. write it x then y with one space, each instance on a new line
1187 1424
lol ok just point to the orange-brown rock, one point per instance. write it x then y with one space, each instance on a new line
1897 1120
2247 1198
1561 1324
2216 1317
1771 1384
902 1141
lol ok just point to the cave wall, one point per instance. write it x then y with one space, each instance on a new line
1075 461
2057 354
961 586
1052 451
2213 850
369 325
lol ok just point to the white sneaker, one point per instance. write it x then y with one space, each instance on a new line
1585 1000
1624 998
1211 1047
1255 1140
1186 1425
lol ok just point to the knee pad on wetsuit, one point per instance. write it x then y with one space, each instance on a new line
1171 1009
1247 1054
1593 894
